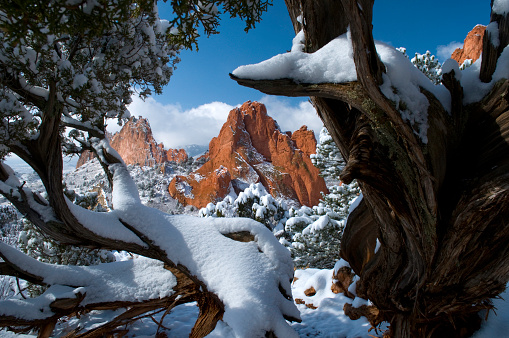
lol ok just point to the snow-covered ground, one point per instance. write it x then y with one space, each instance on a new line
326 320
322 314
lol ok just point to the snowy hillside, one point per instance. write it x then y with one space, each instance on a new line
152 183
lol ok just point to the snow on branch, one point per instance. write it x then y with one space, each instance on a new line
226 267
128 282
333 63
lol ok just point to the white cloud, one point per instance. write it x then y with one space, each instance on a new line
444 51
291 118
176 127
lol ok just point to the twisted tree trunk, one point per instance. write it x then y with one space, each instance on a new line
439 209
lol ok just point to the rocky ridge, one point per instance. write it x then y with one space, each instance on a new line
136 144
251 148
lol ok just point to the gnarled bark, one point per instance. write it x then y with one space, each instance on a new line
439 209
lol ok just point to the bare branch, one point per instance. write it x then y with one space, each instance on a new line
350 91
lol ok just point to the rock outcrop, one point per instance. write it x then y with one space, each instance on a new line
177 155
250 148
136 144
472 46
85 156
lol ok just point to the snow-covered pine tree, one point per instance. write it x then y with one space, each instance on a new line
426 63
314 234
327 158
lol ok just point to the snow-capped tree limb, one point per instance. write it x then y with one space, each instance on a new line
288 87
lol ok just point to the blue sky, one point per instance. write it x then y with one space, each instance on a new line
200 94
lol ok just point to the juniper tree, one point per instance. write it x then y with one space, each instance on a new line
434 175
73 65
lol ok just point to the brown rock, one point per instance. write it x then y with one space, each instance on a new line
177 155
371 313
305 140
196 187
472 46
341 281
251 148
299 301
85 156
310 292
136 144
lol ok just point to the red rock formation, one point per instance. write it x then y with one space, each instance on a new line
250 148
85 156
177 155
203 158
136 144
472 46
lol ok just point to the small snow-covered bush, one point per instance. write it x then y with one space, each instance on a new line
314 235
255 203
428 64
7 214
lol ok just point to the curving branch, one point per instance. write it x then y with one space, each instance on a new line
350 91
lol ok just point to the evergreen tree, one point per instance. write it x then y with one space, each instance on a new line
327 158
428 64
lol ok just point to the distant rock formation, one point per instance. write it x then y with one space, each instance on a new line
472 46
177 155
251 148
85 156
136 144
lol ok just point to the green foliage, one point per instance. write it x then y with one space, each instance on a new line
314 234
189 15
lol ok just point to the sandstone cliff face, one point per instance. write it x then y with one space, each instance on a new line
472 46
250 148
136 144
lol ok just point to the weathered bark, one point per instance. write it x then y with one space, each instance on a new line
439 209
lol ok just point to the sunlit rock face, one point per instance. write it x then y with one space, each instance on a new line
136 144
472 46
251 148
